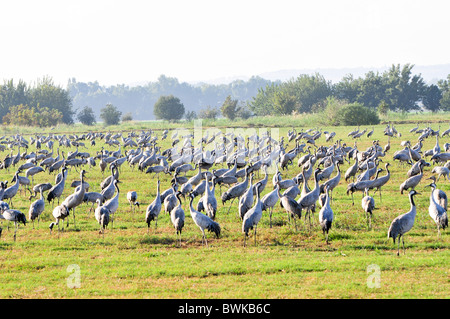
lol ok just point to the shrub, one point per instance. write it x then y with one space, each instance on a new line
127 117
209 113
357 114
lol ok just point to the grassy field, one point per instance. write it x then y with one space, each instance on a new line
129 262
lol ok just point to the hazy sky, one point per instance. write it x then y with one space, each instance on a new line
130 41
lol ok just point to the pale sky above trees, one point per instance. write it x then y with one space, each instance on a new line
116 42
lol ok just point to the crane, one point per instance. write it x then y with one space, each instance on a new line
368 205
36 209
436 211
154 209
102 215
16 216
60 212
113 203
326 215
76 198
403 223
132 200
203 222
177 217
252 218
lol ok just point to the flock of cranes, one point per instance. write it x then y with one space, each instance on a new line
228 160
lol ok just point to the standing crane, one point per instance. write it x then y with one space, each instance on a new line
368 205
326 215
132 200
75 199
154 209
403 223
291 206
16 216
436 211
439 194
102 215
252 218
177 217
57 190
246 200
11 191
203 222
113 203
36 209
60 213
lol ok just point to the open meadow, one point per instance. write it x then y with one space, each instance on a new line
131 261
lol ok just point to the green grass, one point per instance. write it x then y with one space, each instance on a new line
128 262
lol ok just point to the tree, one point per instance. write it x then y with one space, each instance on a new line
86 116
110 114
431 99
444 86
25 115
209 113
284 103
168 107
47 94
229 108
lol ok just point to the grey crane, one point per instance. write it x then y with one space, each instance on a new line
36 209
441 171
269 201
113 203
291 206
76 198
60 213
16 216
439 195
326 215
235 191
413 181
308 200
154 209
209 200
246 200
132 200
203 222
37 188
436 211
33 171
92 197
102 215
368 205
352 170
332 183
57 190
403 223
171 201
11 191
379 182
252 218
177 218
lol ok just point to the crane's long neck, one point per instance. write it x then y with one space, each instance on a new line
413 204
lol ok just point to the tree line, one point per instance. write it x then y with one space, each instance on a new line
397 89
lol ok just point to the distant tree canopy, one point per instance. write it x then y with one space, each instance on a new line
396 89
168 107
25 115
86 116
110 114
44 94
229 108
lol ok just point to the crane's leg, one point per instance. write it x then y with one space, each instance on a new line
231 205
15 230
270 216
